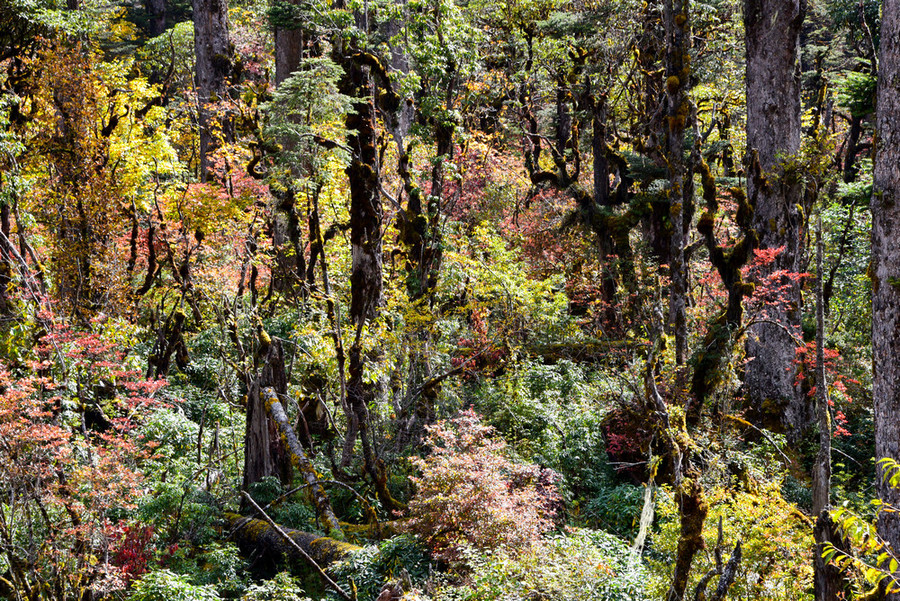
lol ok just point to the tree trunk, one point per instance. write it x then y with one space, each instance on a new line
365 203
885 269
850 168
678 76
301 462
213 53
828 581
264 452
692 508
563 117
259 436
366 284
288 52
156 9
821 490
289 260
773 132
598 143
609 276
6 266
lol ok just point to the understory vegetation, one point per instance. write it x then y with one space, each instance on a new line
436 300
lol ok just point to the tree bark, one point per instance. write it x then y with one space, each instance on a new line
692 508
853 148
264 453
6 266
828 581
678 76
563 117
885 269
821 490
156 9
213 64
288 52
773 132
366 283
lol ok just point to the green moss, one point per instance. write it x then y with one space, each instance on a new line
672 84
705 223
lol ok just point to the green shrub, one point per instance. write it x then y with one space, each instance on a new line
581 566
165 585
375 565
282 587
221 565
615 509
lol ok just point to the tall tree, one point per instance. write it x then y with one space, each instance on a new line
213 52
773 134
886 265
692 505
828 578
366 279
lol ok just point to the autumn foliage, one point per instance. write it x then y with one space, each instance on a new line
471 495
71 469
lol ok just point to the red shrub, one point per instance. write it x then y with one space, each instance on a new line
470 494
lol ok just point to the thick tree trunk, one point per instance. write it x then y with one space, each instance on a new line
602 198
213 53
264 453
156 9
692 508
366 283
678 76
288 52
885 270
259 434
773 132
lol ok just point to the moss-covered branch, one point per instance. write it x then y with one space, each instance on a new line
301 461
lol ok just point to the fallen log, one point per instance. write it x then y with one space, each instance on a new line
296 547
260 541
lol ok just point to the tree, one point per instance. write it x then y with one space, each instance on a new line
773 137
213 67
886 266
692 504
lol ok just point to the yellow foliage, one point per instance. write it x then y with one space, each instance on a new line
776 539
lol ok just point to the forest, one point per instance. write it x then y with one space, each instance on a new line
449 300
